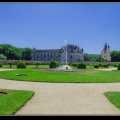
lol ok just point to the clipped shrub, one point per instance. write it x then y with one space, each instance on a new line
0 64
105 65
118 67
21 64
115 65
70 63
100 65
74 64
96 66
81 65
52 64
10 63
37 64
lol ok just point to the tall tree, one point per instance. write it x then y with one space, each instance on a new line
115 56
26 53
92 57
14 53
3 57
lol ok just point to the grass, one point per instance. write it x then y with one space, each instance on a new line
63 77
88 67
13 100
114 98
27 66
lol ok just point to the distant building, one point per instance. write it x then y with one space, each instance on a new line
105 53
74 54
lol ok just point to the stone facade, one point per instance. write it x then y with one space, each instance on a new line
105 53
74 54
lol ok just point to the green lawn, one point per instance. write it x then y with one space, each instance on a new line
114 98
88 67
72 77
13 100
27 66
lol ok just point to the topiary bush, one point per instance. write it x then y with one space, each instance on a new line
118 67
21 64
37 64
74 64
96 66
0 64
52 64
10 63
115 65
70 63
105 65
81 65
100 65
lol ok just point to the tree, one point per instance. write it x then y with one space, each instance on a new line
14 53
37 64
26 53
10 63
115 56
92 57
3 57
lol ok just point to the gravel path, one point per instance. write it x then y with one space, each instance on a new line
65 98
107 69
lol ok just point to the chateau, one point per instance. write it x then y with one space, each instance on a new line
64 55
105 53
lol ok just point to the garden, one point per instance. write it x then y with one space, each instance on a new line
38 72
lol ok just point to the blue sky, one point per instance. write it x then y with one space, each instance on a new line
47 25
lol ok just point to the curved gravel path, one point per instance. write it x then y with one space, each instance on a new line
65 98
107 69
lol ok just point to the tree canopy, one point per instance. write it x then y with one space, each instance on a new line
14 53
115 56
9 52
92 57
